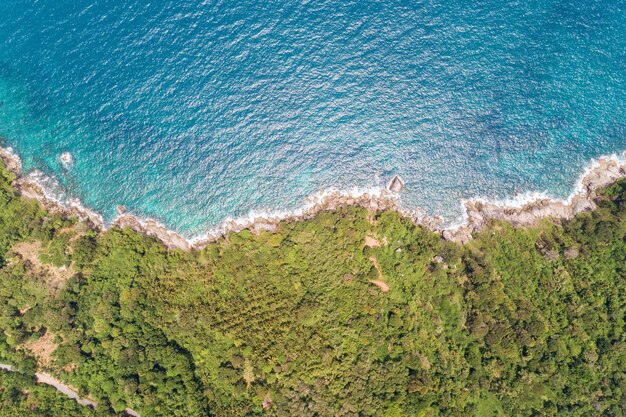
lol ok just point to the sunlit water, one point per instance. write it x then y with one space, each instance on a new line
191 112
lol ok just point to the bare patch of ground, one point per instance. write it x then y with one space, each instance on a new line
42 348
56 277
371 242
29 251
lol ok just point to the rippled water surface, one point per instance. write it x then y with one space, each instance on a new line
191 112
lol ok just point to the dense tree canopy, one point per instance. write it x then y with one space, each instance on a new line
350 313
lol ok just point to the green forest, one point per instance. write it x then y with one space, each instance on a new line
351 313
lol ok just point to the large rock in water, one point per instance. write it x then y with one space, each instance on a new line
396 185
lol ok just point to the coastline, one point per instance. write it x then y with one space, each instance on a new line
531 208
524 210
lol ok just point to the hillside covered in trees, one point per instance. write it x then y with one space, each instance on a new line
352 313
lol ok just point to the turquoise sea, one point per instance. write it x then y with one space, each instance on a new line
194 111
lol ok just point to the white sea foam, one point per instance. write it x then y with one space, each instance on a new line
52 193
527 198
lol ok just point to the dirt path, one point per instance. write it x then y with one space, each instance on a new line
380 282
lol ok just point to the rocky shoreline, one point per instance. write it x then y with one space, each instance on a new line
329 201
477 212
600 173
28 186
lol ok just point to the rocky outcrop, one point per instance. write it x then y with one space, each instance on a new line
602 173
396 184
11 161
153 228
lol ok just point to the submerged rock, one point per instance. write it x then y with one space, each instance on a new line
66 159
396 185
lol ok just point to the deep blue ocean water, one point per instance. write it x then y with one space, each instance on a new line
190 112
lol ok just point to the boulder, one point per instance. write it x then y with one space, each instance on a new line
396 185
